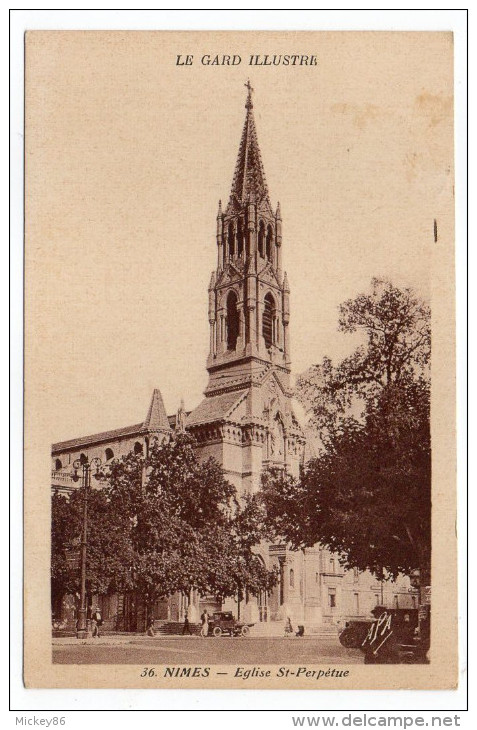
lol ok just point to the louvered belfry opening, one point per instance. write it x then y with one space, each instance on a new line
232 321
267 321
239 238
261 239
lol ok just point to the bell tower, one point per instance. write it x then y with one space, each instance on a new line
246 421
248 295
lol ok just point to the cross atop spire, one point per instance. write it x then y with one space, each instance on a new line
249 182
249 104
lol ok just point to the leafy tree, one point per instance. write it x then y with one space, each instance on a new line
396 332
107 545
186 527
159 525
368 494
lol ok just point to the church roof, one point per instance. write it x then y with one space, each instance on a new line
156 420
215 408
249 177
97 438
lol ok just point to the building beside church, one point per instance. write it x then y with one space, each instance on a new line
246 420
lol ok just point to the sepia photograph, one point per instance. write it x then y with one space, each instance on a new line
239 383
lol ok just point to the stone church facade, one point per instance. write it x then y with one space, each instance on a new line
246 420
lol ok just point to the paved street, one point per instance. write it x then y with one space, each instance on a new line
195 650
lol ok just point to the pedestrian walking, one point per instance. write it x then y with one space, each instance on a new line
186 627
288 627
204 619
96 622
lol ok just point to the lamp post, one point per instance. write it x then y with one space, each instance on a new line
86 466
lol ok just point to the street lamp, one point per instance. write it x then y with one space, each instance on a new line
86 466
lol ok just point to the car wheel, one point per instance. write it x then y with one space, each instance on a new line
217 631
245 630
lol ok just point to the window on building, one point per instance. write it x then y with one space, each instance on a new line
261 239
356 604
376 599
232 321
108 454
138 448
317 577
332 565
58 464
267 321
396 602
239 238
269 243
355 575
332 597
292 578
231 240
83 458
413 599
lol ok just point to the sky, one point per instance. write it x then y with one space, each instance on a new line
127 156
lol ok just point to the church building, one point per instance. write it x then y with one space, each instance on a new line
246 419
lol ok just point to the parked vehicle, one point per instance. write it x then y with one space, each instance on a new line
224 623
394 638
354 633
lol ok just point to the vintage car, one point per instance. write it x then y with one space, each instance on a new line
355 631
224 623
395 637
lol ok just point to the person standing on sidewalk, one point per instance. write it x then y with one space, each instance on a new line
186 627
150 627
204 619
96 622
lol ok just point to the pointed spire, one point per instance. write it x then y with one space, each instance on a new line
286 285
279 212
156 418
212 281
249 182
219 213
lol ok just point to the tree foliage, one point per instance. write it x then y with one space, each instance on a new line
108 544
367 496
396 332
161 524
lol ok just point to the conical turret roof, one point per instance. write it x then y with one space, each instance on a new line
156 418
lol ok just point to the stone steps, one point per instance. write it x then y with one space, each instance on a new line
175 627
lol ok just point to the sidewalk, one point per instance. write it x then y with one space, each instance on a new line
119 639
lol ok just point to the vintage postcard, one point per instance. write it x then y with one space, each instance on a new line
240 360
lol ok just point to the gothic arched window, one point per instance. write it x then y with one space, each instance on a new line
292 578
232 321
261 239
269 243
231 240
58 465
83 459
267 321
239 238
138 448
108 454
